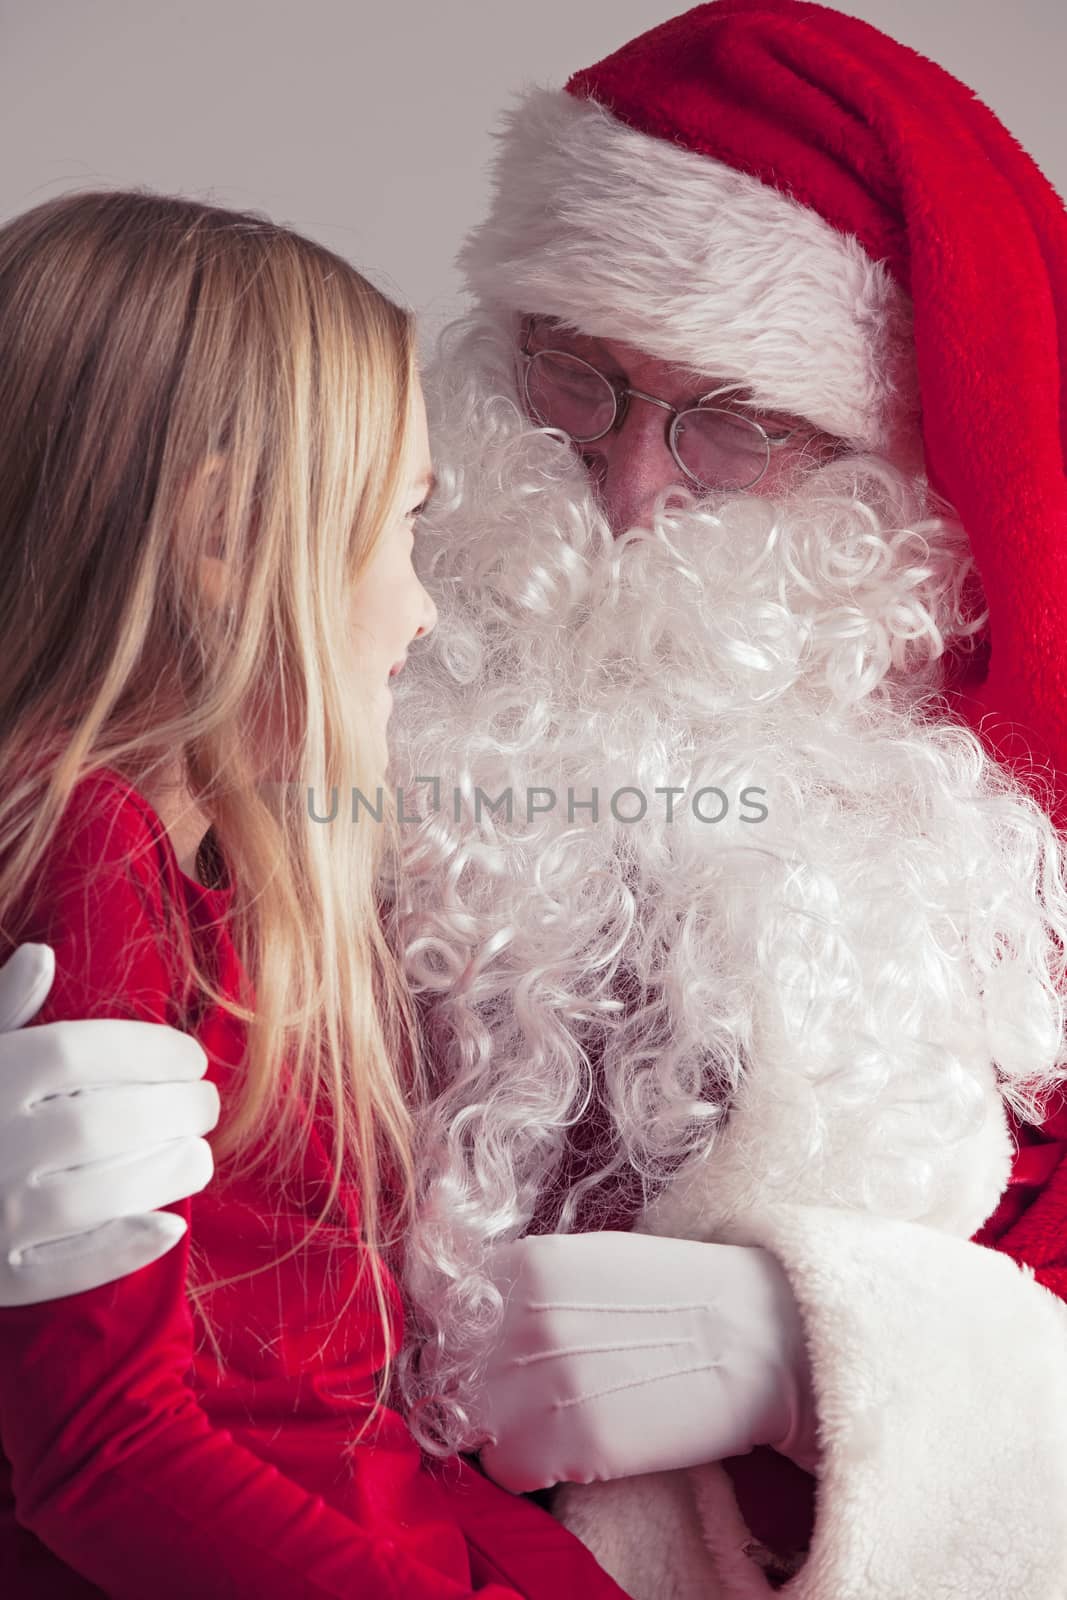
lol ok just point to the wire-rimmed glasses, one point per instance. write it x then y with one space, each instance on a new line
715 447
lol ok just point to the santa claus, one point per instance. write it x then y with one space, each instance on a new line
734 895
730 929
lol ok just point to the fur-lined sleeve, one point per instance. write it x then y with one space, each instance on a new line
940 1370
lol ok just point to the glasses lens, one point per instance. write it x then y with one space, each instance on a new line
720 449
567 393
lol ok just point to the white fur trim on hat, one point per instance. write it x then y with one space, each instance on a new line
632 238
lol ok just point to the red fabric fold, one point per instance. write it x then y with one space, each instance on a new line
148 1452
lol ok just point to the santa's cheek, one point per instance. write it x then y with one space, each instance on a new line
596 465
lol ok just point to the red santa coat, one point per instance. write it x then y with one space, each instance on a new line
135 1461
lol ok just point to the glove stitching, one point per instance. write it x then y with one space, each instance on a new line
632 1383
664 1309
597 1350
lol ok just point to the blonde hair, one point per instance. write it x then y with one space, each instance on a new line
180 381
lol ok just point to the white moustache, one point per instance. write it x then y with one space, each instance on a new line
561 650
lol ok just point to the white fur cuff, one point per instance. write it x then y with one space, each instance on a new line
940 1371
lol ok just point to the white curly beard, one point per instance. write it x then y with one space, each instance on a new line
889 928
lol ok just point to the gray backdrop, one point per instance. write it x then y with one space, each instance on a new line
366 125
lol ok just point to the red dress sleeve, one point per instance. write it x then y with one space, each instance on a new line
115 1466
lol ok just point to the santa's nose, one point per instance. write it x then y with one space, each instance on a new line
633 465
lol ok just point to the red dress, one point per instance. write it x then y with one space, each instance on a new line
139 1460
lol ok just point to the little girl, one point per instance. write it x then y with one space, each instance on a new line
213 455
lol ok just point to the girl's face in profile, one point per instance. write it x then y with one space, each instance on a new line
389 606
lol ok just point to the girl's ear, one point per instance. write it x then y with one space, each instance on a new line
215 581
214 574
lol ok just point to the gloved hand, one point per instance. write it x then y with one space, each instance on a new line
100 1122
621 1353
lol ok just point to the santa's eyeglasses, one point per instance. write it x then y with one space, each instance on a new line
716 447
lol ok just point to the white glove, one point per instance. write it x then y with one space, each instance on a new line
100 1122
621 1353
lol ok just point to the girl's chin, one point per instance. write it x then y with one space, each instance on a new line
385 707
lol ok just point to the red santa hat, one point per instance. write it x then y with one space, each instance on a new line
779 195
